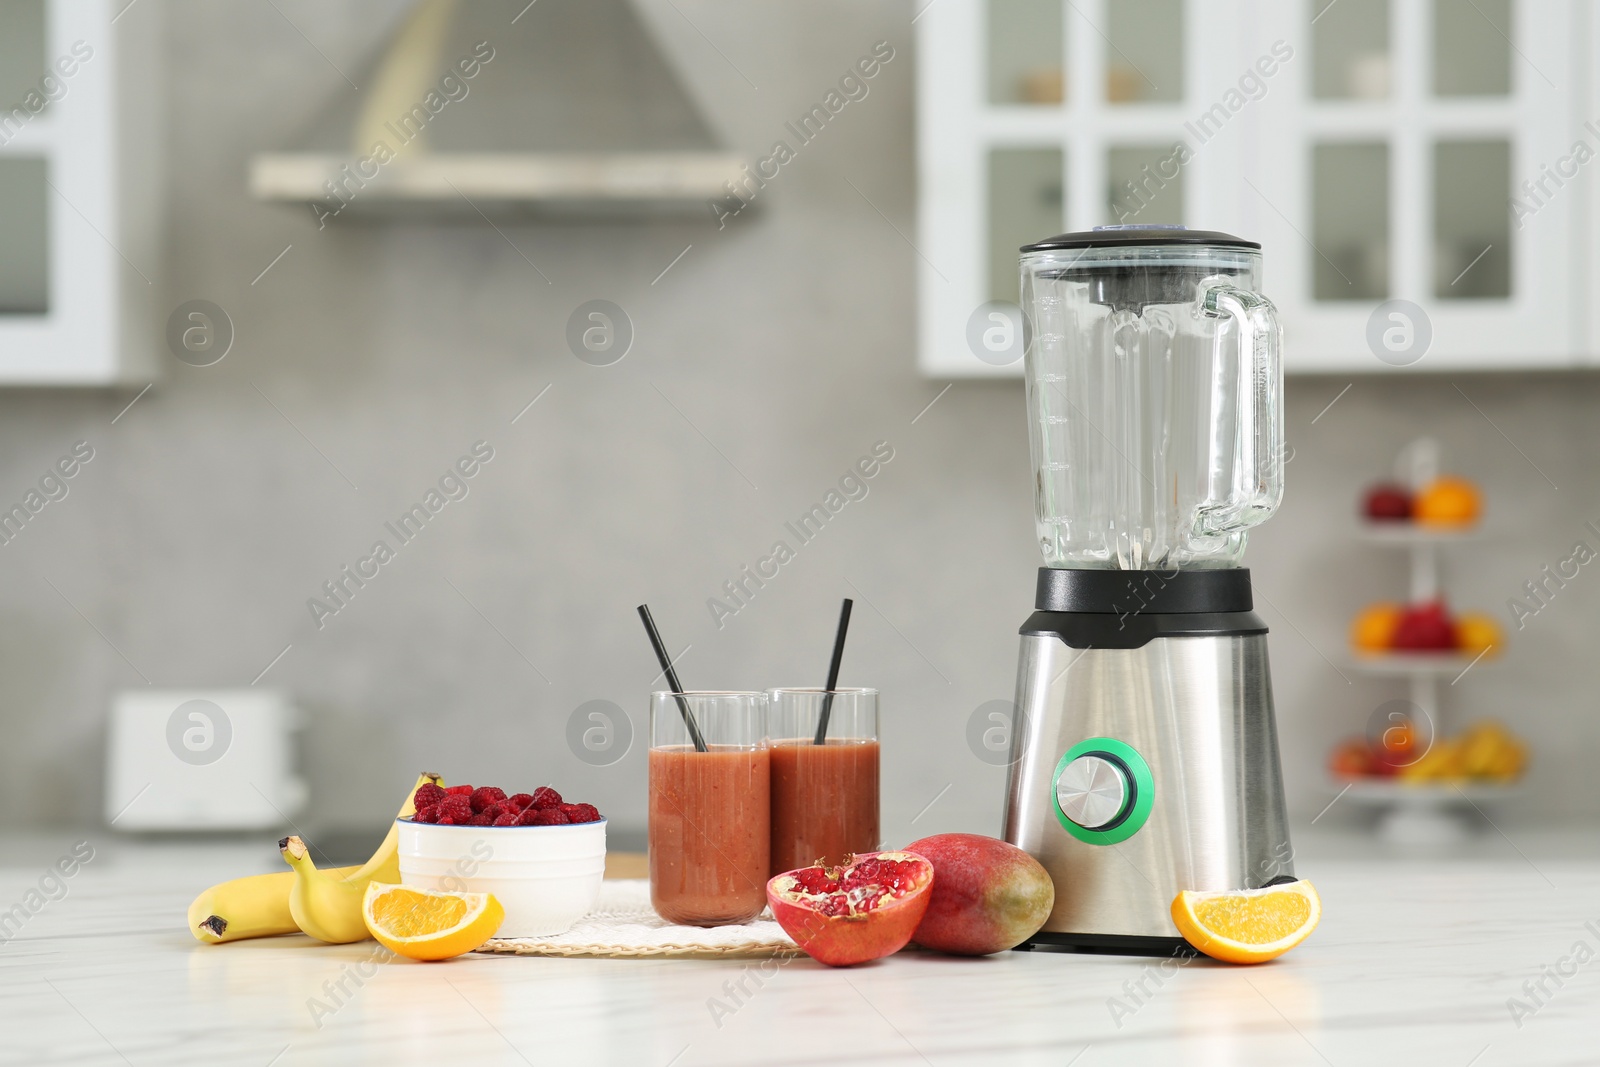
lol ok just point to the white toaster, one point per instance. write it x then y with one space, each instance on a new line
202 760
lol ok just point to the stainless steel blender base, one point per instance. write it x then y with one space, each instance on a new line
1196 712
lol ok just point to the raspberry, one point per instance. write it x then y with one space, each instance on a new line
480 820
508 819
485 795
581 812
542 817
428 814
545 797
457 807
427 795
446 821
460 790
520 800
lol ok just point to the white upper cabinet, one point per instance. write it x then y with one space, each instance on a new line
1378 150
1392 167
79 225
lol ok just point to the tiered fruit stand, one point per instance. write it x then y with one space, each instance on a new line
1420 810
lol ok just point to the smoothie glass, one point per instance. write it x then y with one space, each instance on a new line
709 810
824 797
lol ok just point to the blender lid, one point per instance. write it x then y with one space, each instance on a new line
1139 234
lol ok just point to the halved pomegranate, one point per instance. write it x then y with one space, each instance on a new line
864 910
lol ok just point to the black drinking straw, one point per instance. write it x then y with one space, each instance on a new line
672 677
833 671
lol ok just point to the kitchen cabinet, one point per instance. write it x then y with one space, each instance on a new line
80 226
1587 308
1405 163
1418 151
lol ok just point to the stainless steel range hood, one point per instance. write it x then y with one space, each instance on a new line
496 106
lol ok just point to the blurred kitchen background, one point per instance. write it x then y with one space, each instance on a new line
769 353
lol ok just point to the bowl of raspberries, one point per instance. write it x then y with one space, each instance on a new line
488 805
541 857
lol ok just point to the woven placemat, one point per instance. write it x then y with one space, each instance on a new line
623 925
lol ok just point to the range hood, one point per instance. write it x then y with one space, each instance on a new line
475 106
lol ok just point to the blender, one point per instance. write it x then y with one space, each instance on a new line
1145 755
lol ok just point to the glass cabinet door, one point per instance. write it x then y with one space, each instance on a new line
1472 47
1023 53
1392 172
1381 151
1025 204
22 49
24 220
1350 57
1144 52
1472 238
1472 175
1350 220
1037 117
1144 185
24 236
1024 177
80 195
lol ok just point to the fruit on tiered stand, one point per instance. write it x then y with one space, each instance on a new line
1426 775
1485 752
1423 627
1443 501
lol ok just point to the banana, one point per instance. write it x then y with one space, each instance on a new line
384 866
255 906
323 905
329 907
258 905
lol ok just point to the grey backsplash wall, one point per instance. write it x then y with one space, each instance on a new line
770 358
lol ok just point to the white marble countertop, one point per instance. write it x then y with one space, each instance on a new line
1414 963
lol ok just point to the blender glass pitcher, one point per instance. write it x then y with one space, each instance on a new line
1155 390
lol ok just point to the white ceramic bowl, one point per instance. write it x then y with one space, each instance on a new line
546 877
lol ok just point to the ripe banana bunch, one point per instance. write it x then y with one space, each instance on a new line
323 904
260 905
1485 752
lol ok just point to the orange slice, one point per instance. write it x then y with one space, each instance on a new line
1249 925
422 924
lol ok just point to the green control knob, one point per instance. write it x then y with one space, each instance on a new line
1093 791
1103 791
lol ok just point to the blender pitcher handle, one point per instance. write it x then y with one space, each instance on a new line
1258 469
